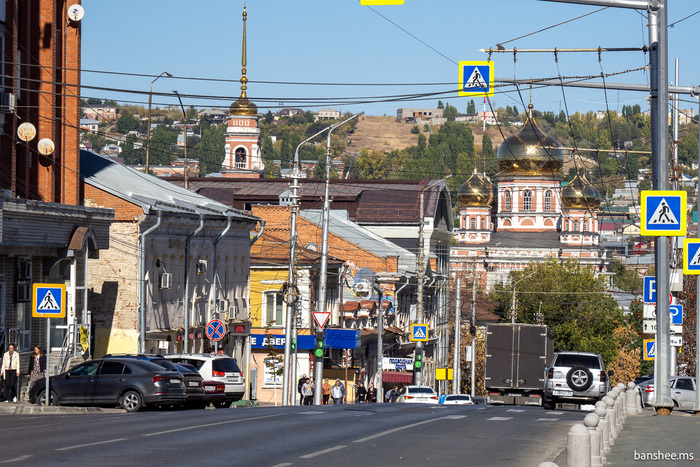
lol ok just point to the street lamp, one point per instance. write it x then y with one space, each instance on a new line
148 130
512 301
184 115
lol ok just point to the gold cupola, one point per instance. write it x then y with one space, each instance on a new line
530 152
243 106
580 194
476 191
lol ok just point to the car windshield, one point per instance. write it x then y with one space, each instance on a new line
457 398
227 365
167 364
588 361
421 391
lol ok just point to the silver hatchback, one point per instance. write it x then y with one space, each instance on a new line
219 368
576 377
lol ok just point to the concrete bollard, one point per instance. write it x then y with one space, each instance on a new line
603 430
640 408
578 447
631 399
591 422
610 418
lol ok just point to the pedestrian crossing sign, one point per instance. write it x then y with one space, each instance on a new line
49 301
691 256
664 213
649 349
476 78
419 332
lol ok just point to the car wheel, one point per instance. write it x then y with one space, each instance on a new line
131 401
579 378
548 404
222 405
53 400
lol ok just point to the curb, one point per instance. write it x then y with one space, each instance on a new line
31 409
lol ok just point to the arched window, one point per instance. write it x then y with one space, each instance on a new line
483 224
566 224
548 201
472 223
506 195
527 200
585 226
240 157
575 226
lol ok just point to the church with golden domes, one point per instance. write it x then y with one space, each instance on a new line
243 141
527 216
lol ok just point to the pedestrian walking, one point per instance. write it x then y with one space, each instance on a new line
361 393
387 395
37 366
337 393
307 390
300 383
326 391
441 400
10 373
394 394
342 388
371 393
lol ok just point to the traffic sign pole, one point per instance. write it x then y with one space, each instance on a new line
47 398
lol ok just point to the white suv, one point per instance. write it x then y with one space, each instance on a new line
577 377
219 368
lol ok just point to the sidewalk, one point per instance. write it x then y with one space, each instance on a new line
25 408
658 440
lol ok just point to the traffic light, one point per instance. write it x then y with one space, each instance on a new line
294 343
318 349
418 360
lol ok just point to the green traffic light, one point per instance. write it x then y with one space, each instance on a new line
319 352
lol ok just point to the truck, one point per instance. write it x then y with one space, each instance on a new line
516 357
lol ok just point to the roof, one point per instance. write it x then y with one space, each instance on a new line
340 225
149 192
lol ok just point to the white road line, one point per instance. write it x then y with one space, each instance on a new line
515 410
226 422
284 464
388 432
78 446
499 419
310 412
325 451
16 459
453 417
547 420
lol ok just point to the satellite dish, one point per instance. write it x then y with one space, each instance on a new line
46 147
75 13
26 131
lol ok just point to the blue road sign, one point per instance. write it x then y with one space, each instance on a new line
419 332
649 289
676 314
649 349
691 256
215 330
475 78
663 213
49 301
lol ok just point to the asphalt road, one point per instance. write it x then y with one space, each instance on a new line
352 435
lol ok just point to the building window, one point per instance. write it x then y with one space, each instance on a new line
585 226
483 224
566 224
472 223
548 201
575 226
507 201
240 158
527 200
273 309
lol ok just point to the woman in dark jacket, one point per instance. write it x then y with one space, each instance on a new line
37 366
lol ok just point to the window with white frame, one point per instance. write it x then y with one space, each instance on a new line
272 304
575 226
507 201
483 224
472 223
548 201
527 200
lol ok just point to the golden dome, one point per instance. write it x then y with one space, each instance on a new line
243 106
580 194
476 191
530 152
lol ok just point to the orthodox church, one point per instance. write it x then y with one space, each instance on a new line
528 215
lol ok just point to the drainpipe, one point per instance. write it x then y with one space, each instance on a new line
246 395
213 292
186 347
142 283
257 236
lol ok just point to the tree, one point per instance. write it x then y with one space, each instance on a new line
440 105
210 149
127 123
450 112
269 117
573 301
415 130
162 141
471 107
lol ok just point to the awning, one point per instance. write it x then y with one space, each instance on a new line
405 377
351 306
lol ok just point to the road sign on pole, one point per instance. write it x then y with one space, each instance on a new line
649 349
49 301
691 256
321 318
476 78
216 330
649 294
419 332
664 213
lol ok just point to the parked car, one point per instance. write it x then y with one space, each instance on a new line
458 399
194 385
647 390
577 377
683 390
418 395
130 383
218 368
214 393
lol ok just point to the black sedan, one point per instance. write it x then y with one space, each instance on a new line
132 384
193 385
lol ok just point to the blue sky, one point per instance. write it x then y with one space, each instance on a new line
343 42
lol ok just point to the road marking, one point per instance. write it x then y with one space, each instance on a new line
97 443
499 419
195 427
310 412
388 432
284 464
453 417
16 459
547 420
515 410
319 453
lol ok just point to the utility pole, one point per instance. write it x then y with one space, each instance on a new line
456 351
472 331
184 116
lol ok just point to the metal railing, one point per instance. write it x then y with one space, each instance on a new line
66 351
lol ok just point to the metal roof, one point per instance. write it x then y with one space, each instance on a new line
148 192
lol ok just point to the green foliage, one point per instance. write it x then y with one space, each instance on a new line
625 279
440 105
210 149
471 107
688 149
162 141
574 302
415 130
127 123
450 112
269 117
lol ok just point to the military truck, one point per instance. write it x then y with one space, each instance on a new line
516 359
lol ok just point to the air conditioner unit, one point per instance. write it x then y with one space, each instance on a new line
24 270
8 102
24 291
363 289
166 280
202 266
222 306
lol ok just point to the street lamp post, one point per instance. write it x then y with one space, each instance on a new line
184 115
512 301
148 129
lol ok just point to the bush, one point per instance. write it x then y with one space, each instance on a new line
415 130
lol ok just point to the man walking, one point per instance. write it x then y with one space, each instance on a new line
10 373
